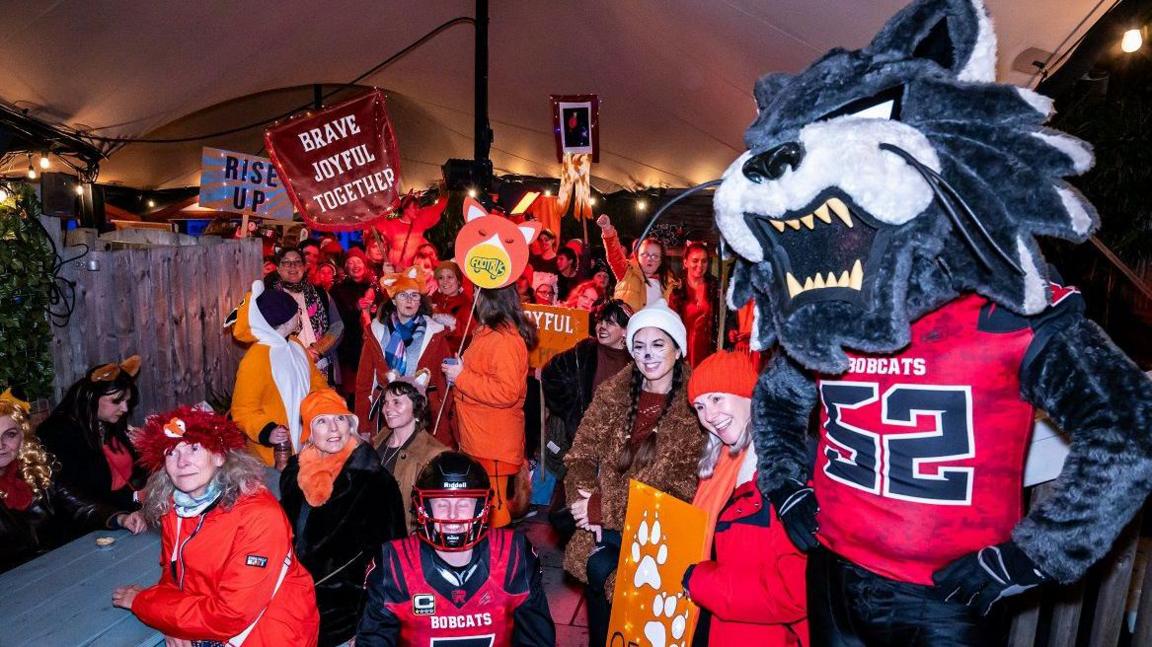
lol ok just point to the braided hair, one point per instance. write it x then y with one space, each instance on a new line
641 455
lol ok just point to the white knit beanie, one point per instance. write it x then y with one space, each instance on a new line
658 315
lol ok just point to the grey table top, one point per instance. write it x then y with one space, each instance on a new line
64 598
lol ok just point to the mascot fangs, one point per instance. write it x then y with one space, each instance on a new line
885 217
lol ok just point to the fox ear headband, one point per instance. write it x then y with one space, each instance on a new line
111 371
491 250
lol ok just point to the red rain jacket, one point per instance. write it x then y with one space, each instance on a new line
754 587
229 565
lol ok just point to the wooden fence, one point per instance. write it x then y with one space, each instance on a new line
164 303
1095 611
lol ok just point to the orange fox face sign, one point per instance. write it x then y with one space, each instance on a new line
490 249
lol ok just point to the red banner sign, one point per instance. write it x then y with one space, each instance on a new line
341 165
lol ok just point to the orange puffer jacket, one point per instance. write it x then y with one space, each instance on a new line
224 577
490 392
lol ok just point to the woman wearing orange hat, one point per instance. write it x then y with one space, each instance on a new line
403 338
229 572
753 589
342 505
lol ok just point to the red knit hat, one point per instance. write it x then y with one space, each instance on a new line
163 431
724 372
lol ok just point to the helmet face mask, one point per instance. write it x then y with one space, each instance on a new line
446 482
468 530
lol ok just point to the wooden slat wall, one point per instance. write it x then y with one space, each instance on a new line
166 304
1060 612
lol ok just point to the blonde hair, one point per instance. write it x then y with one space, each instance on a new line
241 474
34 461
710 455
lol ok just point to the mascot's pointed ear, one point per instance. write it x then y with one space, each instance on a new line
473 210
956 34
530 229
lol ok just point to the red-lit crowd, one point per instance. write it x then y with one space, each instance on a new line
398 404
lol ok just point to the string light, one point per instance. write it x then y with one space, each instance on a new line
151 204
1131 41
471 193
592 201
31 169
44 162
80 190
642 205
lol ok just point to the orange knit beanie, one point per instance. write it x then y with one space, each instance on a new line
724 372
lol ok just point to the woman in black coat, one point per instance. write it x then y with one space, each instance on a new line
570 378
88 434
342 505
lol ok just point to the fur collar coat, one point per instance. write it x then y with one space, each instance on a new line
601 438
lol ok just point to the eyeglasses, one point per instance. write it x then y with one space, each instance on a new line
291 263
652 255
408 296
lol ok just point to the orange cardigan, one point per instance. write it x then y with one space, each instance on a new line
489 396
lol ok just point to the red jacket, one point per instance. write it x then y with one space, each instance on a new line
371 376
754 587
229 565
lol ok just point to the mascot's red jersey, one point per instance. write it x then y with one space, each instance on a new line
921 453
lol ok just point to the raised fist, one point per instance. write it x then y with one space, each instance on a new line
606 227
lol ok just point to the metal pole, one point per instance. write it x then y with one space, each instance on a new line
483 134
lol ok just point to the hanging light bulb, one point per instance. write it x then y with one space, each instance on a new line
80 190
641 205
44 162
592 201
1131 41
31 169
471 193
151 204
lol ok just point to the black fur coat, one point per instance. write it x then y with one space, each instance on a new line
336 541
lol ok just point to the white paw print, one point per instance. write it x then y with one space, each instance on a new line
663 610
650 552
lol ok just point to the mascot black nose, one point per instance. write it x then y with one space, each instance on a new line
770 164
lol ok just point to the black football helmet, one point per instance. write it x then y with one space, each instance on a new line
452 475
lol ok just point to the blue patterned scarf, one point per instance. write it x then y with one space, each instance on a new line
402 333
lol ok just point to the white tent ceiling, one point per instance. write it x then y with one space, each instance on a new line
674 76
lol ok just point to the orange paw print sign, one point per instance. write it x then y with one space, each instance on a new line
662 536
490 249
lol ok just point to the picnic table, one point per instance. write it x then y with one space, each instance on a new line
64 597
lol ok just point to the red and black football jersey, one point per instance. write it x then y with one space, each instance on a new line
417 599
921 453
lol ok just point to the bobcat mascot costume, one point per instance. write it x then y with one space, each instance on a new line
885 217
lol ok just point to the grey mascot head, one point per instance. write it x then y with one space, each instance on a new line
880 183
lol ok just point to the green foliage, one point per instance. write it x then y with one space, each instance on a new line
27 262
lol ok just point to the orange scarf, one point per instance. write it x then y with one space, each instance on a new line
318 471
713 493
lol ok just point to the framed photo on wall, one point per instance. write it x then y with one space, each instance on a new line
576 123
